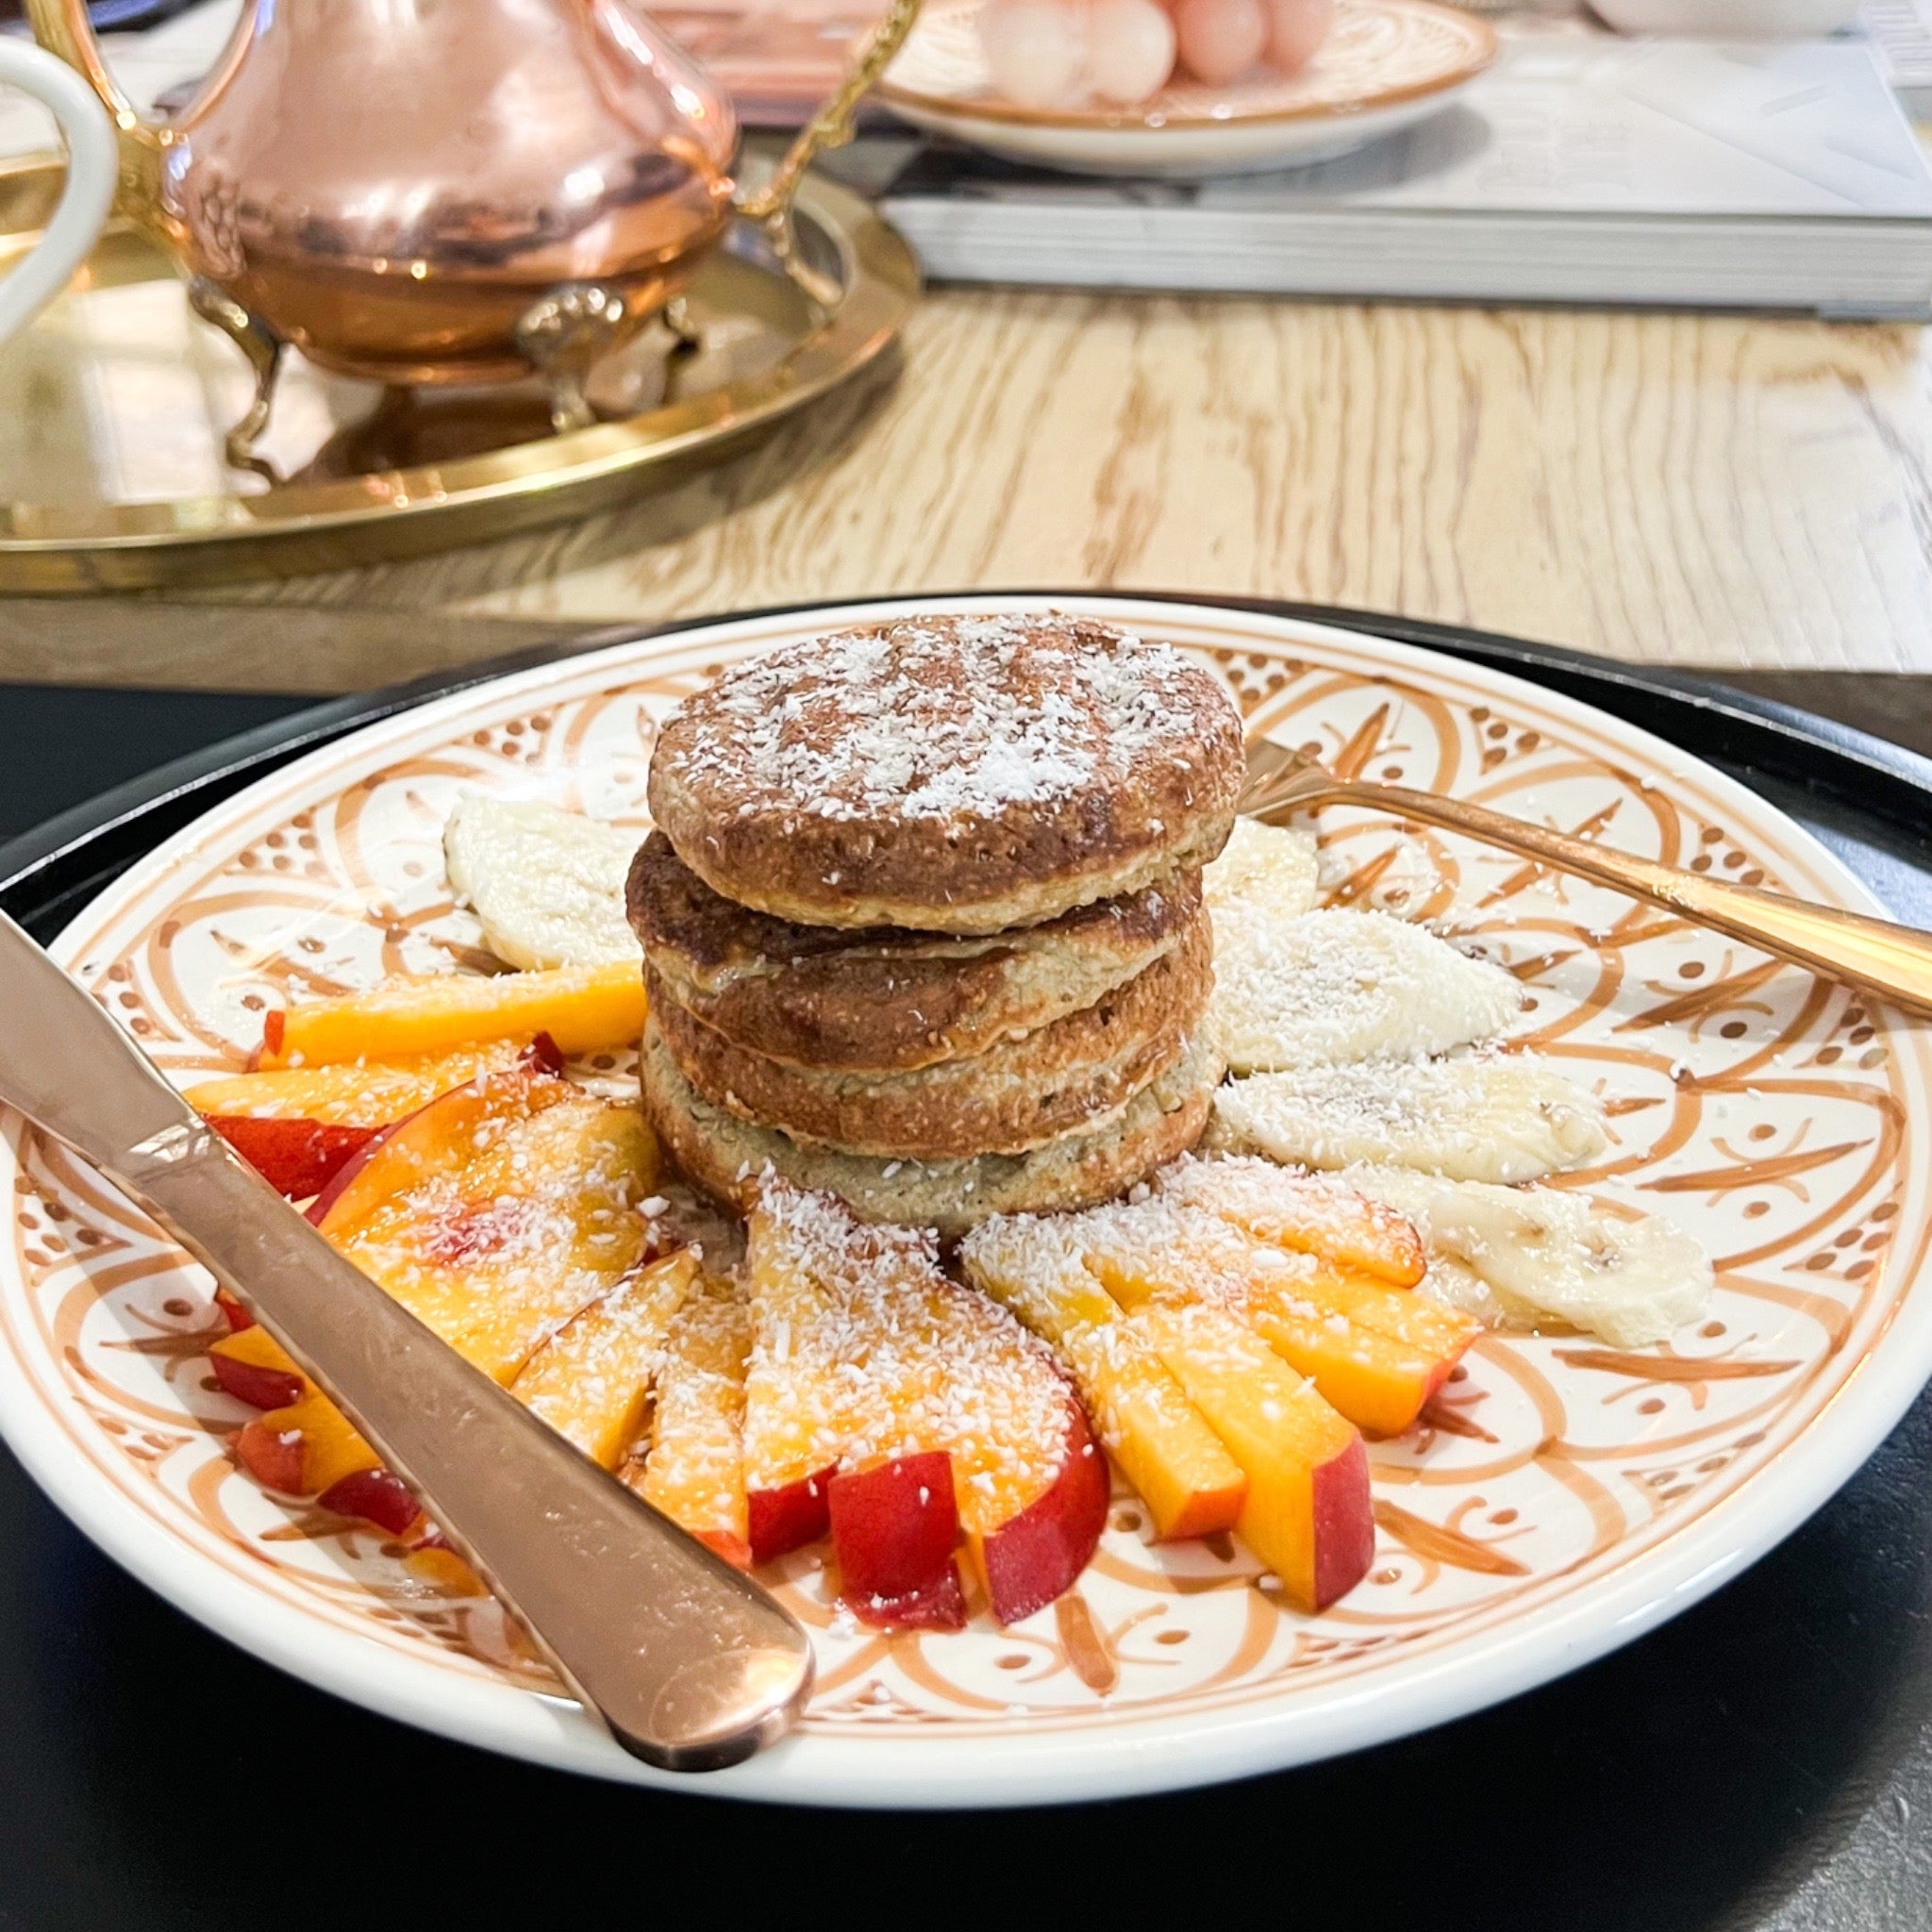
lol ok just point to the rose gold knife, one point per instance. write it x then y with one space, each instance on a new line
691 1666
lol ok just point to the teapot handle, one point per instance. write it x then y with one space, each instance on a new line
64 28
831 126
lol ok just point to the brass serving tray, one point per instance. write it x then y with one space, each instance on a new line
114 404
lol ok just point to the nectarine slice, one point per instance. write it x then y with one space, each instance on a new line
377 1495
329 1447
1191 1484
355 1093
1037 1554
1307 1514
305 1446
895 1529
1420 1322
796 1397
781 1519
1161 1251
1304 1213
694 1472
494 1218
867 1353
590 1380
255 1367
437 1140
295 1158
584 1008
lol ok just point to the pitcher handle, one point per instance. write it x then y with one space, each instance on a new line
87 197
64 28
830 127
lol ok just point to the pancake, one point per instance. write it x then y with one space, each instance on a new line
725 1155
884 1001
958 774
1074 1074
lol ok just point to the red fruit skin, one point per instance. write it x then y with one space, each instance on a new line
274 1025
540 1059
295 1158
543 1054
779 1521
378 1495
1036 1556
237 1317
1344 1524
895 1528
941 1606
259 1388
317 1210
274 1462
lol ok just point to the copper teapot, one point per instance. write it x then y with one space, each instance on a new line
435 192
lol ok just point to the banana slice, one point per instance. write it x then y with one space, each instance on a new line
1481 1117
1271 867
1463 1288
548 884
1549 1253
1330 986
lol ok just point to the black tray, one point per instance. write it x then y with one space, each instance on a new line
1764 1760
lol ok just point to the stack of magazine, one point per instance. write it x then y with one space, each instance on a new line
1581 169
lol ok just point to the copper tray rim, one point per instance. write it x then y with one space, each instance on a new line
339 524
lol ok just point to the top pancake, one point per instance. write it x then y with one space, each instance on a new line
961 775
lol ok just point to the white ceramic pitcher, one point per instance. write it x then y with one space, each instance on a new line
93 162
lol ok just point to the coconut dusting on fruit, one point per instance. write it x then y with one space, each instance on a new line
878 1355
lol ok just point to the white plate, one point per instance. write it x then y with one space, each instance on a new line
1571 1497
1388 63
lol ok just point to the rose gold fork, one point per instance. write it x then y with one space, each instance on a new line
1893 961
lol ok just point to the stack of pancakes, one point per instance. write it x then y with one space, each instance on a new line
922 920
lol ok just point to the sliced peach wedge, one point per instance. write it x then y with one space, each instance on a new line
795 1394
1307 1513
1378 1382
1341 1256
304 1446
498 1211
1309 1214
870 1371
694 1472
298 1127
1192 1485
1180 1298
353 1093
505 1215
584 1008
592 1381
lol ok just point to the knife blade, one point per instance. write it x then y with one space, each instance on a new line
690 1665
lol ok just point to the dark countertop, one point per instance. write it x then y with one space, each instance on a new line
1763 1761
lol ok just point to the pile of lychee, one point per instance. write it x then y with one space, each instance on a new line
1118 53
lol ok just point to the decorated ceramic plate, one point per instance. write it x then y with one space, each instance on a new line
1558 1499
1386 65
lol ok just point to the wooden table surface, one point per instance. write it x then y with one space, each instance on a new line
1710 490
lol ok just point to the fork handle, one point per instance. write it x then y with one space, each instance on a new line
1893 961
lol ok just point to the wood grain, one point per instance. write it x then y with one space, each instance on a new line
1714 490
